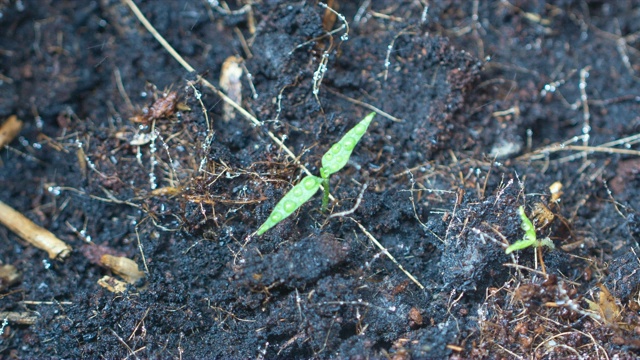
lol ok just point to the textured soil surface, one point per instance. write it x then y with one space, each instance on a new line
483 107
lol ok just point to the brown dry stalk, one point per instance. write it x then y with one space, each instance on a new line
365 105
9 130
32 233
21 317
124 267
207 199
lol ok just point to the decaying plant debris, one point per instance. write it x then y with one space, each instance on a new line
129 151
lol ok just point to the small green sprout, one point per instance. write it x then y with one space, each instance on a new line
529 238
332 161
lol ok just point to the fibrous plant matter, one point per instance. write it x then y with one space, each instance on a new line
332 161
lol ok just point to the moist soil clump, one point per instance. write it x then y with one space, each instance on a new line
481 108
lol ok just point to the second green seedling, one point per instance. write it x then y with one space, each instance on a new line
530 238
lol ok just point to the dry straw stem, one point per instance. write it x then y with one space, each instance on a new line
9 130
15 317
32 233
366 106
607 148
124 267
136 11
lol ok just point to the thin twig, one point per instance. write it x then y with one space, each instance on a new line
124 343
386 252
592 149
121 89
365 105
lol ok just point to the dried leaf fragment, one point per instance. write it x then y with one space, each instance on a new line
329 17
230 83
9 275
112 284
415 318
541 215
606 306
164 107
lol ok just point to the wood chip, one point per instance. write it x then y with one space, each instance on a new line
9 275
123 267
9 130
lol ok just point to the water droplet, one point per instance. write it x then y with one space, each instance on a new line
349 143
289 206
310 183
275 217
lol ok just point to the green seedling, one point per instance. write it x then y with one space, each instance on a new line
530 238
333 161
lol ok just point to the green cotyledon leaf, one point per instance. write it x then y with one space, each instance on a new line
530 237
527 225
338 155
291 201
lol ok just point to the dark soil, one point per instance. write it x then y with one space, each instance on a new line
476 95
